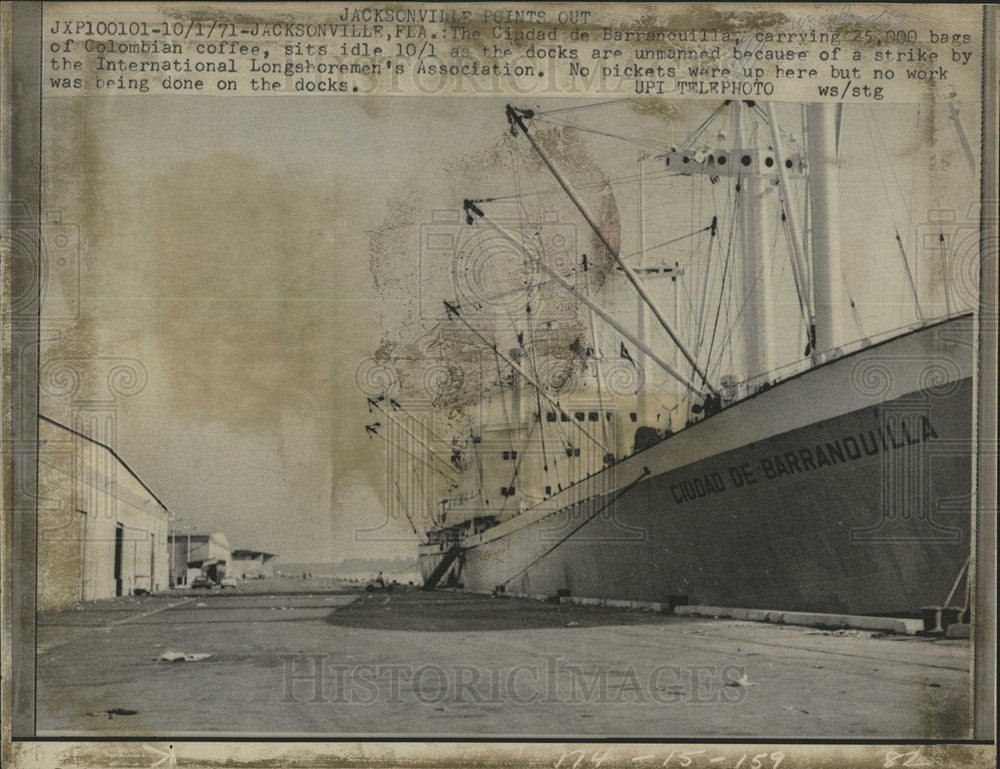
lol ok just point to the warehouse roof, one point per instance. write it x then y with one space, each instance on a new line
253 554
110 451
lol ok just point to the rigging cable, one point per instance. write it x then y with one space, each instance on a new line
650 145
564 440
376 401
617 180
373 430
516 119
899 240
395 404
732 326
892 168
427 496
512 426
538 402
399 497
800 290
597 377
601 509
453 311
700 328
725 272
610 320
573 275
582 106
700 129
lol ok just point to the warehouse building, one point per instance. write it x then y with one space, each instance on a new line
101 531
193 555
252 564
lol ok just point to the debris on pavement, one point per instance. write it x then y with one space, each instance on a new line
171 656
844 632
743 680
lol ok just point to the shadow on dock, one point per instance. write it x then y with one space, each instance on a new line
453 611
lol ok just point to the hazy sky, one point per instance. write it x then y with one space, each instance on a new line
226 244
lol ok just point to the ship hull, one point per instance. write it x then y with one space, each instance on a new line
846 489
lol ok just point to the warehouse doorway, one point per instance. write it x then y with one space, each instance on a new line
119 541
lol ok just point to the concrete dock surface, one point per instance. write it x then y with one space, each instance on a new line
316 657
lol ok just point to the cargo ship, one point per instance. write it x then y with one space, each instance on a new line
839 481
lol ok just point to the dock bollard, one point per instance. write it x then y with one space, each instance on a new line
932 619
949 616
938 618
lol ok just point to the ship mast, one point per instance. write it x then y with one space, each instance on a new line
652 270
824 207
642 404
750 165
754 195
797 257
